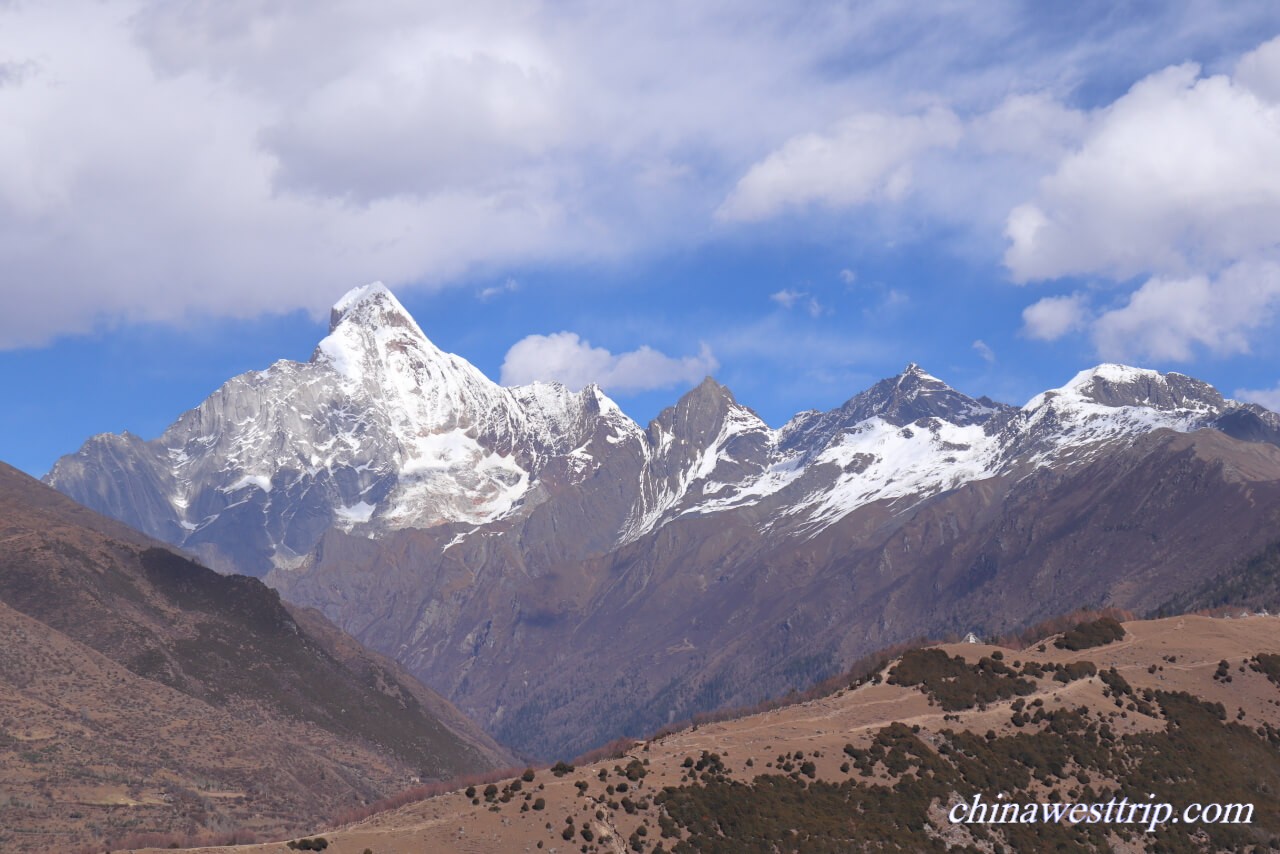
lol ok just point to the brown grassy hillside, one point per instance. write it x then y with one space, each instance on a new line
880 764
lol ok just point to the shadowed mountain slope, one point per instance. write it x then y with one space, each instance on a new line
141 691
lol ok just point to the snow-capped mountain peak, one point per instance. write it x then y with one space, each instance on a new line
1116 386
373 342
382 430
372 304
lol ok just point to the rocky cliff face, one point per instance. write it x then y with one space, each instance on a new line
565 575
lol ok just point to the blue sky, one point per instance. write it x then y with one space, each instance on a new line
798 198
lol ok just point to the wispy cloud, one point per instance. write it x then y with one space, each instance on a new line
789 298
984 350
508 286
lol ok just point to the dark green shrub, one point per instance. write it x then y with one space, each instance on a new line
1075 670
954 683
1089 634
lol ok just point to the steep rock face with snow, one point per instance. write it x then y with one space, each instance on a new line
566 576
380 430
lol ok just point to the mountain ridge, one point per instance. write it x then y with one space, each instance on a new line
627 575
403 435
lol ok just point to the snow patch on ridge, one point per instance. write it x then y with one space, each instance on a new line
880 461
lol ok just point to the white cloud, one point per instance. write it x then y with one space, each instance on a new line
1176 182
788 297
183 159
167 160
1179 175
983 349
1266 397
566 358
1170 318
849 277
1259 71
1033 125
509 286
865 157
1053 317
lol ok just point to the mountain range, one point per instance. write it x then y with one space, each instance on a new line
565 575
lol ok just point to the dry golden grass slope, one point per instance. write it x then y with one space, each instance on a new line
1157 659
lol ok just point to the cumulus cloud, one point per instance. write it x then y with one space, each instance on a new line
1053 317
1259 71
865 157
566 358
185 158
1033 125
1175 184
1171 318
1178 175
120 200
